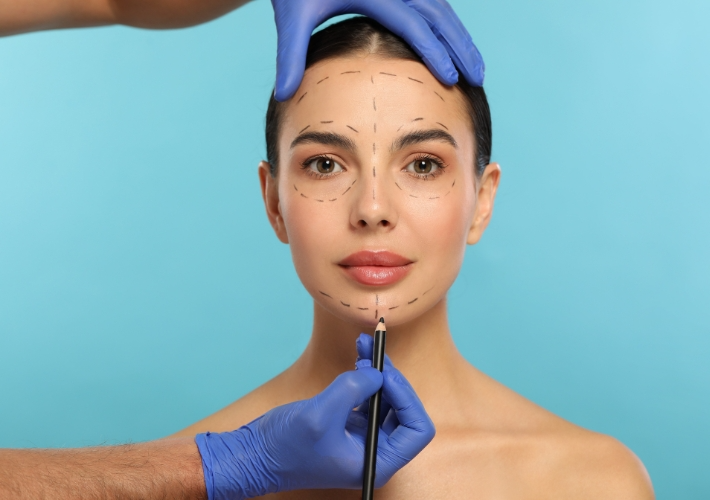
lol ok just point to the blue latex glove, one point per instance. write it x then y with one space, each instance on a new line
318 442
430 27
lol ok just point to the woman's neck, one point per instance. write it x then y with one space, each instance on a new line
422 350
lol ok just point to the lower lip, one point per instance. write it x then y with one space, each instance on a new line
377 275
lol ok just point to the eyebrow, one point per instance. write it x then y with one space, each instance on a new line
422 136
326 139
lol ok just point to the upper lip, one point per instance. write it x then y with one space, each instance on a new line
375 258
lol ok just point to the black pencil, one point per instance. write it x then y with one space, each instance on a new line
373 421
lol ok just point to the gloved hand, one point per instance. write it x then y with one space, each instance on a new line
319 442
430 27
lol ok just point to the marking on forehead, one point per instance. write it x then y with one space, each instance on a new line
388 74
364 308
304 195
348 72
439 96
324 79
346 305
415 80
304 129
418 119
331 121
374 104
397 185
351 128
323 293
413 301
304 95
439 123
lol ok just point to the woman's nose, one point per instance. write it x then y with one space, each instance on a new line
373 207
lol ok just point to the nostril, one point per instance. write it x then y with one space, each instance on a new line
384 223
362 223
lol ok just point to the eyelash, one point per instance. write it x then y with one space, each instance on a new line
440 164
306 166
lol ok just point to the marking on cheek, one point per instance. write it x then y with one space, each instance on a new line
397 185
364 308
304 95
304 129
294 187
439 123
413 301
439 96
333 199
374 104
418 119
388 74
346 305
452 184
323 293
413 196
434 197
324 79
395 307
348 72
354 182
331 121
428 291
319 200
346 191
351 128
447 194
304 195
415 80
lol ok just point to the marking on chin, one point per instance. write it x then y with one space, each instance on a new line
304 195
364 308
393 307
415 80
323 293
412 301
346 305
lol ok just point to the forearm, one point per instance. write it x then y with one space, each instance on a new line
21 16
166 469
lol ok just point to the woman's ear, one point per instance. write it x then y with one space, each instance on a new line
270 194
487 187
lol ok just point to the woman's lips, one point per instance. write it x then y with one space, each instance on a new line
376 268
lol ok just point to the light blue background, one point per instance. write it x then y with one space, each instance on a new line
139 279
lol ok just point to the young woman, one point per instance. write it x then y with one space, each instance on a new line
378 177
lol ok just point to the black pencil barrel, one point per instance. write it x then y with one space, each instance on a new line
373 422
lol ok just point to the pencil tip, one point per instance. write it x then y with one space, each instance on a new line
382 320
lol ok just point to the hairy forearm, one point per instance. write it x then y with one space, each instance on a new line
166 469
21 16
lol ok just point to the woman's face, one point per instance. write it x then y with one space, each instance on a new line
376 192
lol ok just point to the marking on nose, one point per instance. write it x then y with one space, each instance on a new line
374 148
373 172
364 308
375 128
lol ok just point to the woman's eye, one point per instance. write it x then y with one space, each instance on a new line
325 166
423 166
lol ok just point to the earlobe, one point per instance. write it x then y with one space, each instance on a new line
488 186
270 194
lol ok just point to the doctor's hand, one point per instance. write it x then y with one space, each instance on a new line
318 442
430 27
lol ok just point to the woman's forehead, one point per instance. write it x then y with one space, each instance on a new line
361 91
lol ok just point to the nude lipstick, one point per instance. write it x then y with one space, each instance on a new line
376 268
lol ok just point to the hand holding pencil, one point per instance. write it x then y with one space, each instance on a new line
320 442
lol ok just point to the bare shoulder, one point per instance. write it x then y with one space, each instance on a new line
592 465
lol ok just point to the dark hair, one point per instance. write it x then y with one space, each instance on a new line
361 34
